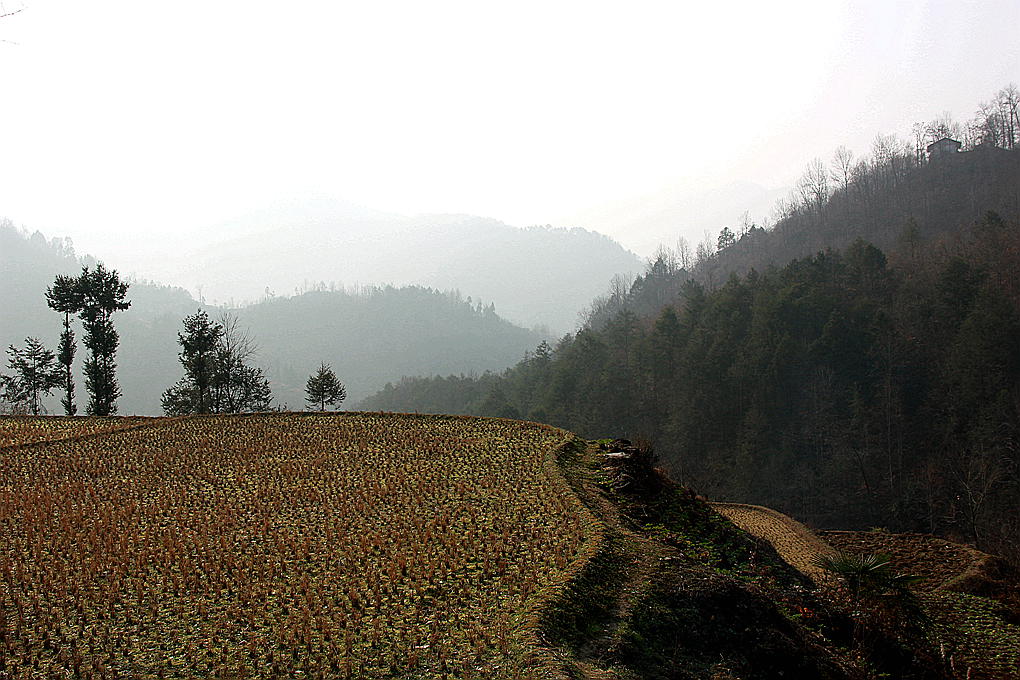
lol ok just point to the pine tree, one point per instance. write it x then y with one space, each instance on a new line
102 294
34 375
323 388
199 342
65 296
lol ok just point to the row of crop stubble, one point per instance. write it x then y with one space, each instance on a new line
354 545
19 430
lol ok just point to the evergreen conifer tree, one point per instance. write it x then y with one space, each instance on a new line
102 294
324 388
198 356
65 296
34 375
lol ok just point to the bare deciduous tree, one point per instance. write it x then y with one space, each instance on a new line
842 167
668 260
997 122
814 185
942 127
685 255
978 474
1009 105
746 224
236 348
6 13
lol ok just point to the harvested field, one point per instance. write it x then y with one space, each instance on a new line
937 561
794 542
16 430
285 545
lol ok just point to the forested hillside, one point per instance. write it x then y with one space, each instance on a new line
377 334
896 198
369 335
850 388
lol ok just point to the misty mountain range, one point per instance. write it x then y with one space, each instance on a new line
537 276
371 334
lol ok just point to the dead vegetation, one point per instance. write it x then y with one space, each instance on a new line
794 542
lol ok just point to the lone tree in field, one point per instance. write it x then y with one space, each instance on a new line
323 388
102 294
65 296
34 375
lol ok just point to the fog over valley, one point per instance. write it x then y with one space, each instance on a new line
642 123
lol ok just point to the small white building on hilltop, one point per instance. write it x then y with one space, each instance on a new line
942 148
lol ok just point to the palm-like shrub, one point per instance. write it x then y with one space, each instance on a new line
877 595
866 576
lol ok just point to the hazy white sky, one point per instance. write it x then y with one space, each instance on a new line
121 118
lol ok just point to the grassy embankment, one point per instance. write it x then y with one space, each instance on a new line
678 591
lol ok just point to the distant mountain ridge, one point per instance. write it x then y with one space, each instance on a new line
536 276
370 335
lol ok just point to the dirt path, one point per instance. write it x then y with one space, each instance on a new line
794 542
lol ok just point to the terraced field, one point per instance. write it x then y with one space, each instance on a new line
976 633
936 561
794 542
283 545
980 633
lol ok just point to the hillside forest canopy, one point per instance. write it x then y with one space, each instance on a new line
848 389
855 364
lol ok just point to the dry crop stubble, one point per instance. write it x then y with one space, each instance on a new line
18 430
351 545
794 542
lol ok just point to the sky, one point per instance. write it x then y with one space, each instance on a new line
127 124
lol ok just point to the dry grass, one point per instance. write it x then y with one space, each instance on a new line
794 542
